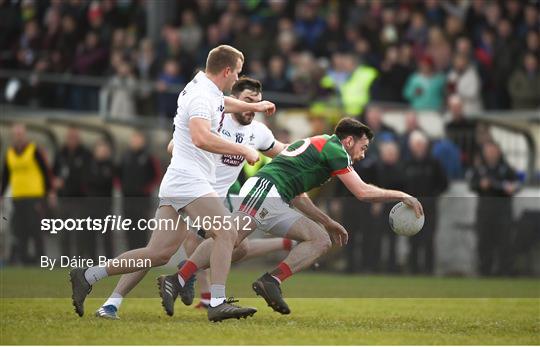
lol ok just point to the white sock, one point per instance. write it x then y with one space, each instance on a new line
181 280
217 293
95 273
277 279
115 299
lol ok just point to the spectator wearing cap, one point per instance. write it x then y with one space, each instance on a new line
425 88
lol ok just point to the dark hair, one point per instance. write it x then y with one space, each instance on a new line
244 83
222 57
352 127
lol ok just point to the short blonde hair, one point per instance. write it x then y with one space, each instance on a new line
222 57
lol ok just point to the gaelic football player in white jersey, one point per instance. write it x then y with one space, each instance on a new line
187 186
237 127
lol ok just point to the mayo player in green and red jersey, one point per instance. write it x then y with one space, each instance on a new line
268 196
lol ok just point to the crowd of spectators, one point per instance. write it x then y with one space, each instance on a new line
412 162
78 183
330 53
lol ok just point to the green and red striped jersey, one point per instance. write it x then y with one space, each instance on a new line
306 164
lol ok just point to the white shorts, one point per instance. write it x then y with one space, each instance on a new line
260 199
178 188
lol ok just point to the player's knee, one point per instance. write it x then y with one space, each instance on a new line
229 235
323 241
232 236
162 256
242 247
240 251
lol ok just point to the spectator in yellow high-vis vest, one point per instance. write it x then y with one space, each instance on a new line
353 82
26 173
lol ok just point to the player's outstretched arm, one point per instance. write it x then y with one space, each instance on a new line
371 193
337 232
203 138
276 149
233 105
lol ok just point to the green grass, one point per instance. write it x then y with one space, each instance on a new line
453 313
41 283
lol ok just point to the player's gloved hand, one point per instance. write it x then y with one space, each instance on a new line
266 107
251 155
413 203
337 233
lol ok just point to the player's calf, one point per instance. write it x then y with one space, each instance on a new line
161 256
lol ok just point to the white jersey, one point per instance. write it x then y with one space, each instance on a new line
201 98
255 135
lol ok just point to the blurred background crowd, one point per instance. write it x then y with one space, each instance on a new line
330 53
456 60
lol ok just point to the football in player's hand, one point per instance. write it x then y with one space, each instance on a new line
403 220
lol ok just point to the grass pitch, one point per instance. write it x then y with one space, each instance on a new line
370 310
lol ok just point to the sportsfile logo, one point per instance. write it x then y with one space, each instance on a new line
109 223
118 223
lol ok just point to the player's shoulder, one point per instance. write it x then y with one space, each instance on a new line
200 88
333 144
325 141
194 92
259 126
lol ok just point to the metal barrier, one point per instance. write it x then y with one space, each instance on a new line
104 90
517 132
